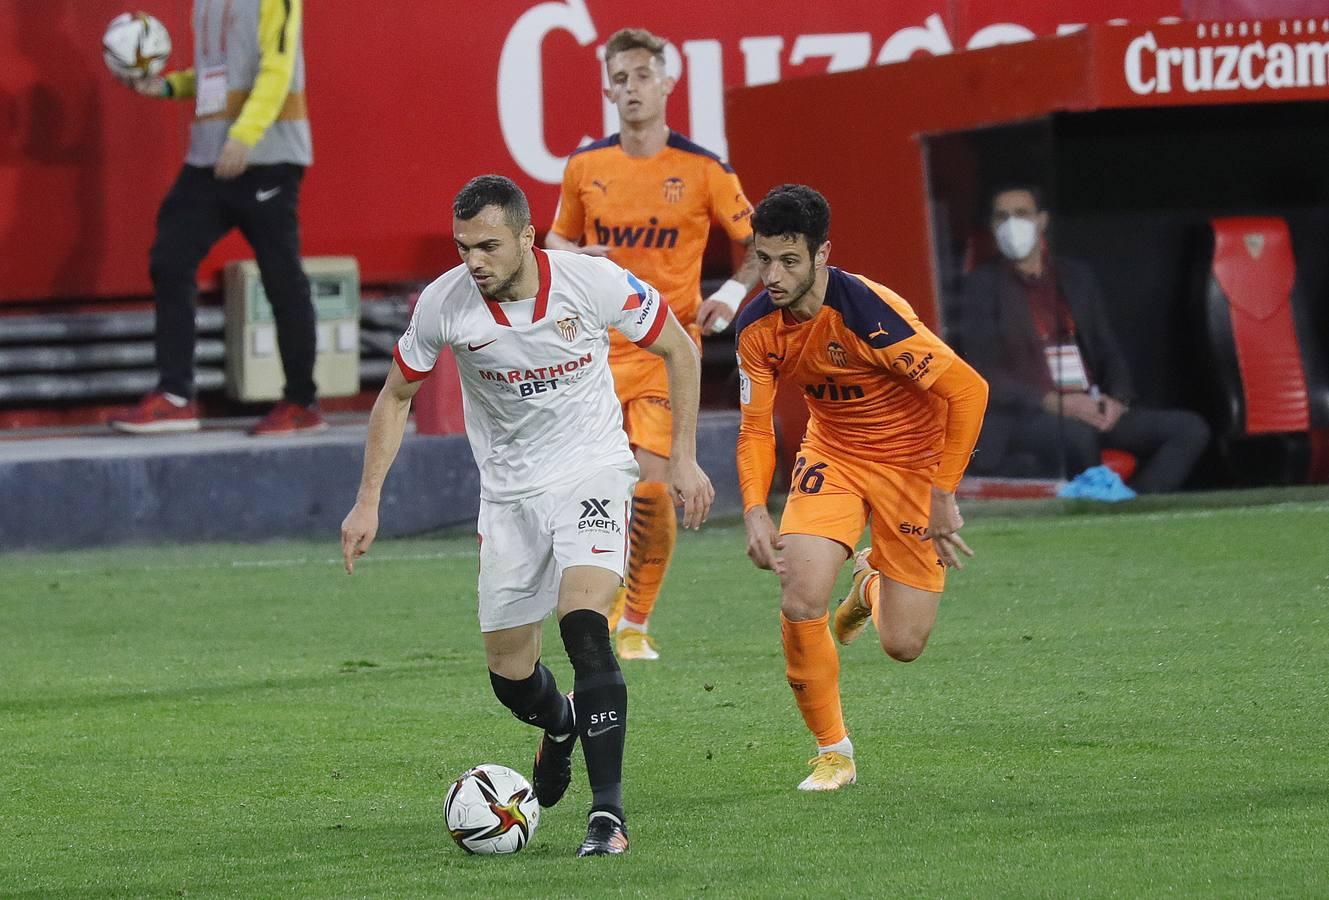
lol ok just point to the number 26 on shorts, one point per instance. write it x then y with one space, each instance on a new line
807 479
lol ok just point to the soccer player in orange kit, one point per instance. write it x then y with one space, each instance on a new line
894 416
645 197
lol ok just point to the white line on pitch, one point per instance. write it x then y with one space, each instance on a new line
1127 517
292 562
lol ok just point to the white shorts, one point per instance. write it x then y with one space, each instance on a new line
526 544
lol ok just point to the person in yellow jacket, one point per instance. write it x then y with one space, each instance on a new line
249 146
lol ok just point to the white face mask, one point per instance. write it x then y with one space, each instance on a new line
1016 237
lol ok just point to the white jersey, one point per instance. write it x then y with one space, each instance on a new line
537 392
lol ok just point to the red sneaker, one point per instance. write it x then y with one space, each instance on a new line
288 418
155 414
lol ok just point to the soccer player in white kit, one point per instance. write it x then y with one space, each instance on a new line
530 332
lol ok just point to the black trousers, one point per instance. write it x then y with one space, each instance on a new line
198 211
1167 442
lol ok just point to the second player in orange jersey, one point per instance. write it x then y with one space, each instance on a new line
646 197
894 415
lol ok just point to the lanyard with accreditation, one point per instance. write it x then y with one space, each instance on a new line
1065 363
210 84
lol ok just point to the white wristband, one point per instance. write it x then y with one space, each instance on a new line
731 294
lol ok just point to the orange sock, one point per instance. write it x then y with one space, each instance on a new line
813 669
872 593
654 531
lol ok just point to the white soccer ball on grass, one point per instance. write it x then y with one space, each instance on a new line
491 809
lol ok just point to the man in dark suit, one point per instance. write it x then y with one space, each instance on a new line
1035 326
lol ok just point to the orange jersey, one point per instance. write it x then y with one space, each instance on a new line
653 213
867 368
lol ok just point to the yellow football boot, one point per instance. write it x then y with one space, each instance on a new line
853 613
830 772
633 643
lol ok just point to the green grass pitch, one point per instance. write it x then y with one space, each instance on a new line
1129 702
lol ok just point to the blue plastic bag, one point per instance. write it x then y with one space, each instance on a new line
1097 483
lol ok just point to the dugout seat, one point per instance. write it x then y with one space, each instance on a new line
1267 364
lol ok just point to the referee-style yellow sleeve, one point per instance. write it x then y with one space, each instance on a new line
279 24
182 84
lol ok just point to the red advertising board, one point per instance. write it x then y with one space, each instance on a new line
1274 60
406 104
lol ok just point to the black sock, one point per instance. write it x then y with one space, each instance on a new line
601 698
535 700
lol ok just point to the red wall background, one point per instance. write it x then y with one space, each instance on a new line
406 105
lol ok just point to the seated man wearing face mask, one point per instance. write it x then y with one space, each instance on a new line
1035 327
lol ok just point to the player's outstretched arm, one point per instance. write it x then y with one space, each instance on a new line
720 308
554 241
387 424
692 489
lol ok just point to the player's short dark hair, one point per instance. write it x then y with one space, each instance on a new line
794 209
634 39
1003 187
493 190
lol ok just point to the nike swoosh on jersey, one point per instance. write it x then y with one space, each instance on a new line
262 196
474 347
596 732
598 550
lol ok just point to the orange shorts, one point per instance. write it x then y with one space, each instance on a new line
642 384
833 496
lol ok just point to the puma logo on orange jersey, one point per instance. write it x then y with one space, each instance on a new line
880 332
